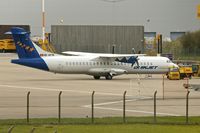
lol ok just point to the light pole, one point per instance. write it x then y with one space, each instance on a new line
113 6
112 19
61 21
43 21
148 21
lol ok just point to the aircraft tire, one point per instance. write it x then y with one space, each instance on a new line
96 77
3 51
108 77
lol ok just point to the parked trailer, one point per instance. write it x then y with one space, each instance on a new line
7 45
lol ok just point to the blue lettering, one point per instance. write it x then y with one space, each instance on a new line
145 67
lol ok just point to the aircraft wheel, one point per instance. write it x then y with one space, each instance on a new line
108 77
3 51
96 77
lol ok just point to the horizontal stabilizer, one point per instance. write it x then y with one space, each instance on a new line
17 31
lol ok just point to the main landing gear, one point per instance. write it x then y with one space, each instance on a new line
108 77
96 77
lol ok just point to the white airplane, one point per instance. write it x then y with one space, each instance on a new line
97 65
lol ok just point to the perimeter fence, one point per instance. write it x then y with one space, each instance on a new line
93 108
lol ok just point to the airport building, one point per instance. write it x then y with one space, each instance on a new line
150 40
98 38
175 35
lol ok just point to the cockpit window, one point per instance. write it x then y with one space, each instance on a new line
168 61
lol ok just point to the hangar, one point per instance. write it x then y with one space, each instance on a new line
98 38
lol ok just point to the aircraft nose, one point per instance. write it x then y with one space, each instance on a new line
173 65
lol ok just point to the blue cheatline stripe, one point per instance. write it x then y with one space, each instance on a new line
38 63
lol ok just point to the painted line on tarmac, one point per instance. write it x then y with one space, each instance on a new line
106 103
73 91
109 103
132 111
135 111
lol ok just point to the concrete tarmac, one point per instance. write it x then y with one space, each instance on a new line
16 81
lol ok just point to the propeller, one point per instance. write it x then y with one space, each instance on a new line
133 60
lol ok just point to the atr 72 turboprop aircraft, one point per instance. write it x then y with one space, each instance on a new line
97 65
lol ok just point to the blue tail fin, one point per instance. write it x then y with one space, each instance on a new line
28 52
24 46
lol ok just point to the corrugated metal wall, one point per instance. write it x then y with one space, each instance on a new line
97 38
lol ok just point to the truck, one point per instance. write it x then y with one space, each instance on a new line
7 45
184 71
174 74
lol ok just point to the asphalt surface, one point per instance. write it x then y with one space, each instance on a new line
16 81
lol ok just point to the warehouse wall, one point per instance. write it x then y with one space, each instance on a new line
97 38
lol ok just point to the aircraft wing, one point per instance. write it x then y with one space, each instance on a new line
103 55
77 53
125 58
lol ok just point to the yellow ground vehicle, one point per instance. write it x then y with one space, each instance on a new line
174 74
181 73
46 46
185 71
7 45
